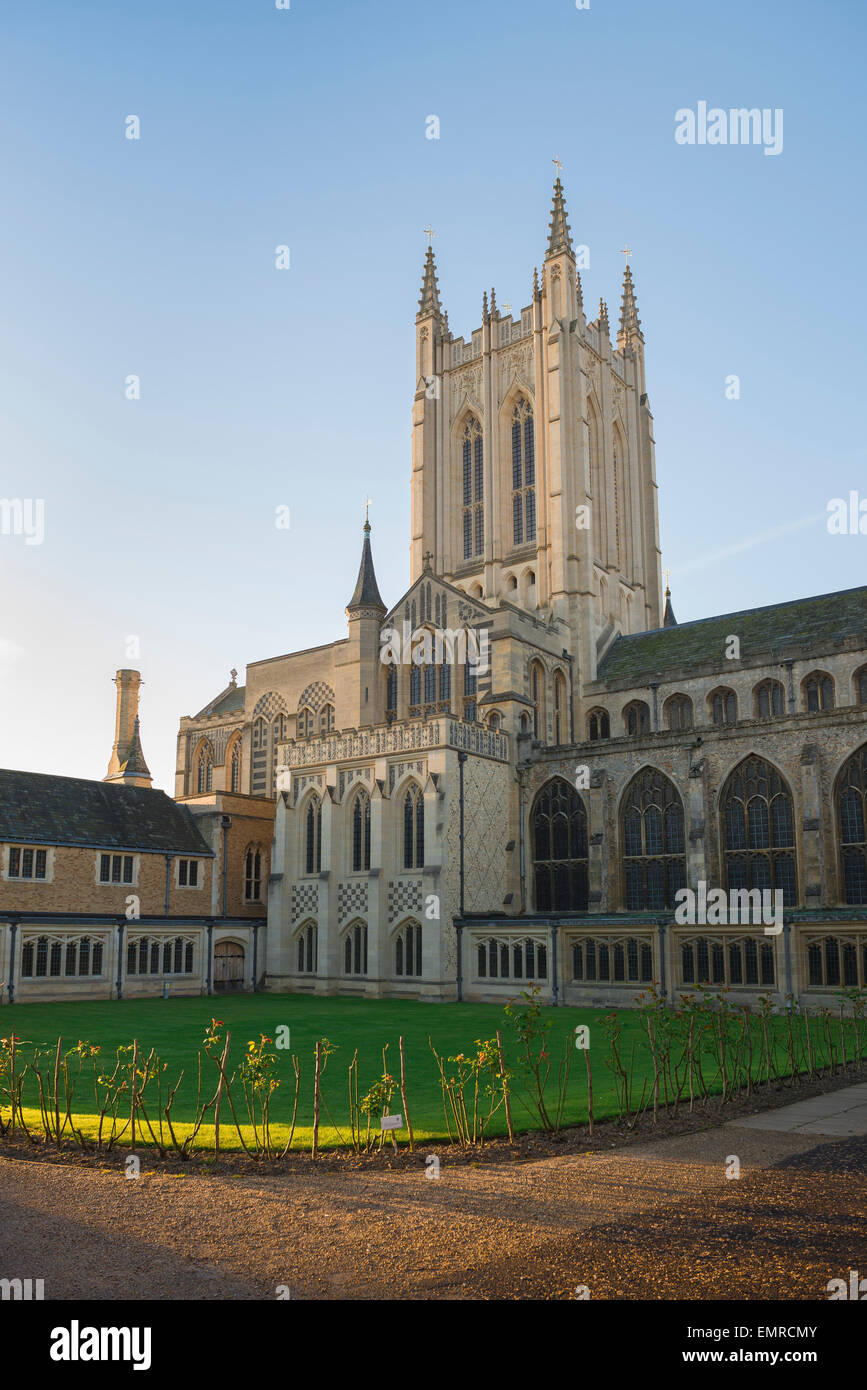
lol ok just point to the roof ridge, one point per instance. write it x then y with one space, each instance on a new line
742 612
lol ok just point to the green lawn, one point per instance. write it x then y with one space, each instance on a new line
175 1028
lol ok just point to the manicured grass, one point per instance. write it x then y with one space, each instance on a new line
175 1028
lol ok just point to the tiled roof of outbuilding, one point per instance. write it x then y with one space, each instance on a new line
38 808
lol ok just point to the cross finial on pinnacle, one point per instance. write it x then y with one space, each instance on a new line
557 165
507 306
427 557
627 252
233 675
367 502
429 233
667 580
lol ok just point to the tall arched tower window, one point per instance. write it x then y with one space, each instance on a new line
560 723
473 517
758 818
523 474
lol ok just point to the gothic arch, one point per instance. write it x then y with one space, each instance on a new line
358 823
234 763
310 834
757 829
850 825
306 947
598 503
406 949
203 766
652 841
622 501
520 489
558 840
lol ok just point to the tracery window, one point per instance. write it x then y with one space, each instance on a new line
413 828
253 874
654 854
818 690
308 942
559 707
205 769
758 820
305 723
391 690
598 725
559 839
407 950
361 833
636 719
678 712
838 961
523 474
473 519
159 955
851 802
313 836
723 706
64 955
721 960
524 959
355 949
235 767
769 699
610 960
326 720
861 686
537 696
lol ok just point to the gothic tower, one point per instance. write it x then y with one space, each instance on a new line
533 476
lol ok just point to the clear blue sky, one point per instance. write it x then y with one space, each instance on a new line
262 388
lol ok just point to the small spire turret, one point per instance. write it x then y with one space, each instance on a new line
559 233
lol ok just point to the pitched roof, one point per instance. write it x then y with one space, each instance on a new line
39 808
819 623
227 702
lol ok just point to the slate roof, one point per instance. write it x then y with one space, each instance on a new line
227 702
38 808
817 623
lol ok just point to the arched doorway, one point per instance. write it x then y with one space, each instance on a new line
228 966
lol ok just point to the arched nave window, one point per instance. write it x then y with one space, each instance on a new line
758 820
654 855
851 806
559 838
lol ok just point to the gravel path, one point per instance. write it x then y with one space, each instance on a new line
659 1220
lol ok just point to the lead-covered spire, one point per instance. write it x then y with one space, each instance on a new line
366 594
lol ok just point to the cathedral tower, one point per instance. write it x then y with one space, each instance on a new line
533 476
